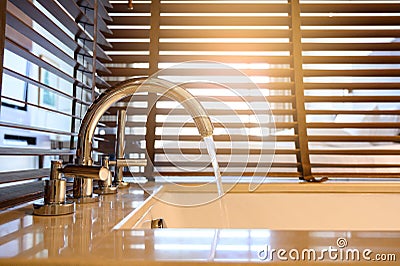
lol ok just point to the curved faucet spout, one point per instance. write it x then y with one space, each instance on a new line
128 88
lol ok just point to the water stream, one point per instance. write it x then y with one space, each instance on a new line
209 141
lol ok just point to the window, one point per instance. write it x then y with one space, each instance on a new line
48 81
329 70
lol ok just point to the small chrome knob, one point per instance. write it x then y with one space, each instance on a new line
158 223
106 186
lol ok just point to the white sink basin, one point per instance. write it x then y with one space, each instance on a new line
326 206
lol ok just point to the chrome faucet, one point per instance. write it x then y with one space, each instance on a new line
55 201
83 186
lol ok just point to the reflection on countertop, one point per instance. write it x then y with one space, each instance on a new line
87 238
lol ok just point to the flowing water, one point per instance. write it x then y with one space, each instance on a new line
209 141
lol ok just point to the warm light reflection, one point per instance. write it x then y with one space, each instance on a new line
179 233
348 40
333 14
136 204
224 14
135 233
129 40
255 248
125 1
122 14
224 40
127 53
137 246
338 27
260 233
137 192
225 1
180 247
326 234
233 65
128 27
172 27
228 53
349 1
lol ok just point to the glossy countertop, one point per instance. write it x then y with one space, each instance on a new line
87 238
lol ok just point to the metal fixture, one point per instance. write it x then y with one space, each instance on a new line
106 186
55 189
54 202
313 179
158 223
83 187
120 149
84 172
121 162
83 181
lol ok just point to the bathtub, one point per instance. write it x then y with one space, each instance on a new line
276 206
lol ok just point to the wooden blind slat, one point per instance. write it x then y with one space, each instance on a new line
222 21
224 8
354 112
355 152
354 125
230 173
74 10
350 8
12 196
372 138
13 176
370 20
34 13
392 46
388 85
33 151
321 165
229 151
339 33
139 7
256 58
352 59
222 33
354 99
102 10
225 47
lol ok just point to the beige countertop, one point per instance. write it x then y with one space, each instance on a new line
87 238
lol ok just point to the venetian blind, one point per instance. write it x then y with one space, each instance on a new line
329 70
53 61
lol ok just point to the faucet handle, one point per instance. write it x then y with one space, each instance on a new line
55 189
86 171
55 174
128 162
105 161
106 186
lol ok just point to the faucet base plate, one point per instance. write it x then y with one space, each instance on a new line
53 209
84 200
122 184
106 190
